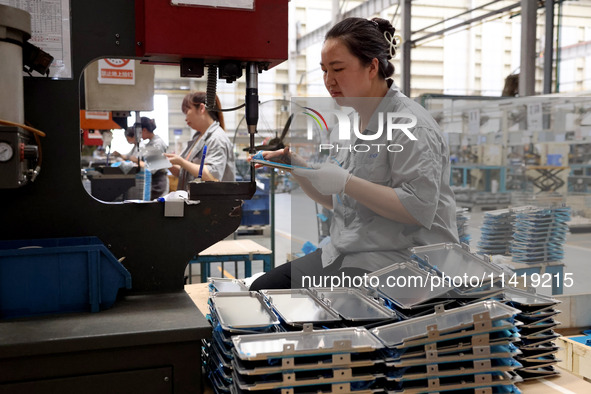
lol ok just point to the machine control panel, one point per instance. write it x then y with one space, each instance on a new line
18 157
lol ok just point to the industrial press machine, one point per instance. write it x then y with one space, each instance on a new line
149 341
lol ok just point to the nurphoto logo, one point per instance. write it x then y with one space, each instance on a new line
394 121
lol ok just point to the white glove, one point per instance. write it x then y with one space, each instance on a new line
327 179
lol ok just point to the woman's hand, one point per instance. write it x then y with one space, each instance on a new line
281 156
175 159
328 178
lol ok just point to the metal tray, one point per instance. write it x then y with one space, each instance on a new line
534 328
456 261
444 321
412 294
352 304
537 341
537 316
299 306
475 353
226 285
309 363
538 351
525 298
537 373
242 310
302 378
460 368
453 384
305 343
498 338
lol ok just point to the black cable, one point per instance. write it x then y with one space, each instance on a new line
226 109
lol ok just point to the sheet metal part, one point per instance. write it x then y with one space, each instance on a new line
474 353
310 363
319 387
302 343
456 261
396 334
226 285
523 298
299 306
412 294
434 335
242 310
460 368
462 346
538 373
352 304
302 378
452 383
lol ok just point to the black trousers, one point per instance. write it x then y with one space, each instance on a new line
307 271
159 184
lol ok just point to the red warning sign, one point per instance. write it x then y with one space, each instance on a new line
116 71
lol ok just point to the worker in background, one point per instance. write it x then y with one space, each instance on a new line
159 182
219 163
159 177
383 202
133 153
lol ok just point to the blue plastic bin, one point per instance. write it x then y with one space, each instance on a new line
58 275
255 212
554 160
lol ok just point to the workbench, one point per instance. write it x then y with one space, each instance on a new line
232 250
465 170
143 344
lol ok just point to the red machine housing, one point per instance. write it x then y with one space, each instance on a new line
258 35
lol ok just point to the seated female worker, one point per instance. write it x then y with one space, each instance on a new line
384 201
219 163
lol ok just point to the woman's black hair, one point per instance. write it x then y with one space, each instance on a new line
130 132
196 99
148 124
365 40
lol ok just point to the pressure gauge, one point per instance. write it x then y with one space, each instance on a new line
6 152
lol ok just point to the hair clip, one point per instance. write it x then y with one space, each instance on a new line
394 41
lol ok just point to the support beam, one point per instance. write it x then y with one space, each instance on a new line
336 12
406 46
464 23
527 73
549 46
364 10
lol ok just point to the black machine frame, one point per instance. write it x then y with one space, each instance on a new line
156 248
150 340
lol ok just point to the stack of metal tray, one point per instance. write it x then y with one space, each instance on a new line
496 232
539 235
462 218
538 351
467 347
232 313
332 360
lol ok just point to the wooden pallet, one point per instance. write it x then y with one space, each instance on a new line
575 356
